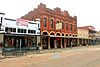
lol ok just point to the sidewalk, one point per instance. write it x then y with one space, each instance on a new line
14 54
34 59
62 49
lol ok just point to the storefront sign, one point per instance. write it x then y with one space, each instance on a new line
22 22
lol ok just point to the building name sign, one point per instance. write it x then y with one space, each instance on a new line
58 26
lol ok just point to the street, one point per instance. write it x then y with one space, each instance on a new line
88 56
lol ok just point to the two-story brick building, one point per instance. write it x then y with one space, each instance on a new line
52 35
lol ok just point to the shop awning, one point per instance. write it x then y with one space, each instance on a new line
19 34
62 36
83 38
66 37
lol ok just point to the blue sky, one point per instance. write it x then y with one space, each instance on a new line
87 11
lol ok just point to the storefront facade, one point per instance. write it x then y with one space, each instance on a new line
83 37
88 33
51 37
19 33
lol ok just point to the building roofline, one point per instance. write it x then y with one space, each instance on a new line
2 13
9 19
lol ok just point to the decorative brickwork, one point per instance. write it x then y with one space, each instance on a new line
56 15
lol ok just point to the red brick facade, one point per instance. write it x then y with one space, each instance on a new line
56 15
49 18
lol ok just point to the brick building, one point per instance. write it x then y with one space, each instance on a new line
52 37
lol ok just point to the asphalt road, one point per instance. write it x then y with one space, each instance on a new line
84 57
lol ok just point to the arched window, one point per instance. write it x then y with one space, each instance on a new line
62 25
58 22
66 26
70 27
51 23
45 21
75 28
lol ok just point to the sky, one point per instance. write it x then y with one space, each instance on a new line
87 11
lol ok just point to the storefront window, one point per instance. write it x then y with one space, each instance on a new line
8 42
29 43
34 41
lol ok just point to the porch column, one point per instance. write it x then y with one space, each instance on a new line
1 38
68 42
41 42
64 42
82 42
12 44
77 41
25 42
55 46
88 42
85 41
48 42
61 43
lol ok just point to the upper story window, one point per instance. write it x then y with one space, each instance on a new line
45 21
38 26
66 26
21 31
58 22
8 30
32 31
75 27
62 25
51 23
70 27
1 18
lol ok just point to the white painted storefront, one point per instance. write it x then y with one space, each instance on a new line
19 33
